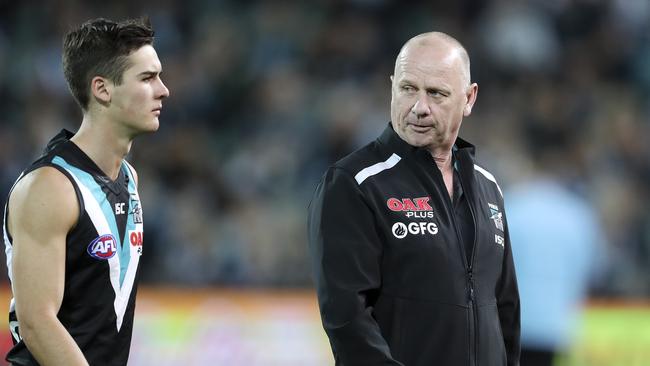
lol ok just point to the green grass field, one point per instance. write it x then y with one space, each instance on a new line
251 328
612 336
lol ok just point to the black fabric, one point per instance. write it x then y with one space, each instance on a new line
394 283
463 216
534 357
87 309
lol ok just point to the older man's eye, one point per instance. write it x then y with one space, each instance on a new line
408 88
435 93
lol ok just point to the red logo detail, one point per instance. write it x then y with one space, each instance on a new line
136 238
408 204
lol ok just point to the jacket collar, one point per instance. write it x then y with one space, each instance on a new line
391 139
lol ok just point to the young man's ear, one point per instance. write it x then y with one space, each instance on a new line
101 89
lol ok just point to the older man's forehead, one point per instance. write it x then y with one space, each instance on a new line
429 57
433 59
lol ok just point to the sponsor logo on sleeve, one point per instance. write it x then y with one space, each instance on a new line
103 247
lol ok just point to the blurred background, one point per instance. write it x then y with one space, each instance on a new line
266 94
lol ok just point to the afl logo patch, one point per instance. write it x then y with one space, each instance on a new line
103 247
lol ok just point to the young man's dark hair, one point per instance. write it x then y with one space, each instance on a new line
100 48
73 226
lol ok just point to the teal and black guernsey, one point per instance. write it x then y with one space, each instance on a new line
101 262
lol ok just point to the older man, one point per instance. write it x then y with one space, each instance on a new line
408 235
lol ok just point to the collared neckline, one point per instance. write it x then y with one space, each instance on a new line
391 139
63 139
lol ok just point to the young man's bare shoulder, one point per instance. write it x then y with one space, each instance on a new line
44 194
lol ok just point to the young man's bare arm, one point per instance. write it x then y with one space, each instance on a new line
42 209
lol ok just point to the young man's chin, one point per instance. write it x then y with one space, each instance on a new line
150 127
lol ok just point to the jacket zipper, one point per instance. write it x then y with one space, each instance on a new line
470 269
473 342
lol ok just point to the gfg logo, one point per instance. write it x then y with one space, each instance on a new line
400 230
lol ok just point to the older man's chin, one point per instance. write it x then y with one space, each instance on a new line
418 139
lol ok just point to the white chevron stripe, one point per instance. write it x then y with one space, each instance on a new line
489 176
101 225
377 168
129 278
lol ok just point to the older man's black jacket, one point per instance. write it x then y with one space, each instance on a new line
394 283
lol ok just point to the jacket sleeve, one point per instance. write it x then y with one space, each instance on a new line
345 251
508 303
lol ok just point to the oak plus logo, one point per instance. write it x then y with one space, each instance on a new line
412 207
135 237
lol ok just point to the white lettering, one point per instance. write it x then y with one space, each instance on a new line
110 244
106 246
119 208
400 230
420 214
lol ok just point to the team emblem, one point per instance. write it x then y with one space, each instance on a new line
137 210
103 247
496 216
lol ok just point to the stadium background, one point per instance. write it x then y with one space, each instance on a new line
266 94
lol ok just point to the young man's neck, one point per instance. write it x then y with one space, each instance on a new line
105 146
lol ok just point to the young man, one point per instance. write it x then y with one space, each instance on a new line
408 235
73 225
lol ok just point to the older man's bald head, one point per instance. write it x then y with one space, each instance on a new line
447 47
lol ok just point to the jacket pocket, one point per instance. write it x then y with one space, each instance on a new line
424 332
388 314
491 348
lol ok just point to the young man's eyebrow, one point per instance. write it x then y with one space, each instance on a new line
149 73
